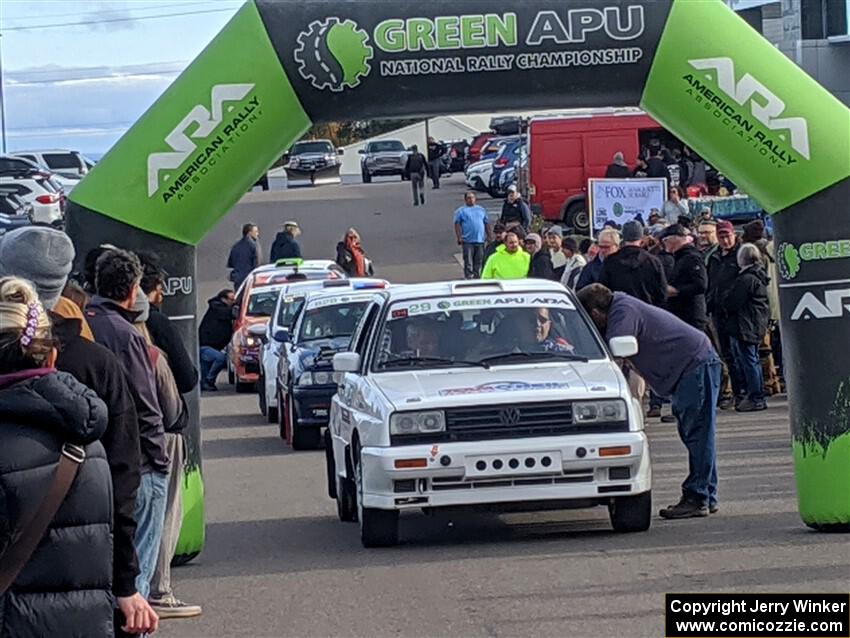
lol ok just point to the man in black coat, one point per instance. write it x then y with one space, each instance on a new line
245 255
722 273
214 334
688 282
656 166
285 244
633 270
748 313
163 332
618 169
541 261
416 169
436 150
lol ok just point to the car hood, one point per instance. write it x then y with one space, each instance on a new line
307 355
428 389
479 166
393 154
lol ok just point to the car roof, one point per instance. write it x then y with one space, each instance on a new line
472 287
349 287
46 150
303 264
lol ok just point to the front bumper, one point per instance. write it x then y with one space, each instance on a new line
314 173
463 481
312 405
381 168
248 365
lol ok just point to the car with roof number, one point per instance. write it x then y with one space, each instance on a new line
272 335
496 395
256 300
304 382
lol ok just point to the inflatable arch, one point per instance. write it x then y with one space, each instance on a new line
281 65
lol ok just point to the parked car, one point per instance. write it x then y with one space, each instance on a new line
14 212
46 196
256 299
508 158
478 174
477 145
313 160
61 161
457 395
383 157
304 382
14 166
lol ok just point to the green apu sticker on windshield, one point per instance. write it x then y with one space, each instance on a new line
451 304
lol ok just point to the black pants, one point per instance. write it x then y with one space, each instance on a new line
435 166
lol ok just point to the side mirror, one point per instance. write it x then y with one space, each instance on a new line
346 362
258 330
282 335
340 151
623 347
362 151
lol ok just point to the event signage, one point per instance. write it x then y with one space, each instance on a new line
624 200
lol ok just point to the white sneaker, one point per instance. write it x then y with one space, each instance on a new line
170 607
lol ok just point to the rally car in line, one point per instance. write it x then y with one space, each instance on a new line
290 300
304 381
256 299
497 395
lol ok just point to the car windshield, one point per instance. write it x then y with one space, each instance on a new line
484 331
386 147
262 302
312 147
290 306
331 322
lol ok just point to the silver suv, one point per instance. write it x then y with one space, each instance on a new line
385 157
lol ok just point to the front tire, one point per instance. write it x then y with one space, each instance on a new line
261 397
577 218
346 500
367 178
378 528
631 513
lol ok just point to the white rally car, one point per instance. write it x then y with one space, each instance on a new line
478 394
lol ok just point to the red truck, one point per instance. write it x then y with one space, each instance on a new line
566 150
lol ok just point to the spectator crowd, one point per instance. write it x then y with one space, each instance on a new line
92 383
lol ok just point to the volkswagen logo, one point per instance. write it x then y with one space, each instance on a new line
509 416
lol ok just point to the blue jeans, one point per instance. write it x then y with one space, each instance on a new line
748 362
150 517
473 260
694 406
212 363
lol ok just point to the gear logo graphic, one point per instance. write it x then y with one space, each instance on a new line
333 54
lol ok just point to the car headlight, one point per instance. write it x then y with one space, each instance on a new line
418 422
251 341
316 378
610 411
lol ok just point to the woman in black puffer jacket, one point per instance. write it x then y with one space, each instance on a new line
65 587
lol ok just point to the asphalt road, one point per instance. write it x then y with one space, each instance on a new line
278 562
406 244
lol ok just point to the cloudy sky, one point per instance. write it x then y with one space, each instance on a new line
77 74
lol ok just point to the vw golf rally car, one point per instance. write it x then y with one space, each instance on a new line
304 384
497 395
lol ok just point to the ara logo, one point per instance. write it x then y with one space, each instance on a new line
765 105
181 143
831 307
333 54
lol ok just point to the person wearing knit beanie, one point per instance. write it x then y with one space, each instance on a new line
40 254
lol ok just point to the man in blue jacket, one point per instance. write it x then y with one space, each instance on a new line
245 255
679 361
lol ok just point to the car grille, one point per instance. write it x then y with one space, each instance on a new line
506 421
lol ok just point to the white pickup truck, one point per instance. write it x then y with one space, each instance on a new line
496 395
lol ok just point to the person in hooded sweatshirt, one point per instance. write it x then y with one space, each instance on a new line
64 587
45 256
541 260
509 261
633 270
285 245
214 334
748 313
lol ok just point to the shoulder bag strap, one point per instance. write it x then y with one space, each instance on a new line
32 531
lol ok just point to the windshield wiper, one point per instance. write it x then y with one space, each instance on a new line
528 356
407 361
